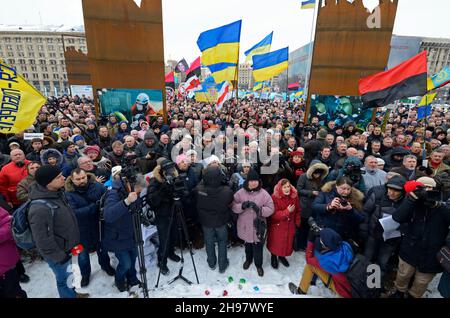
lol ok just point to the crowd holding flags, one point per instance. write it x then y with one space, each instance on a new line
20 101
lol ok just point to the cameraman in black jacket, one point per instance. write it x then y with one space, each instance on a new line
160 197
427 225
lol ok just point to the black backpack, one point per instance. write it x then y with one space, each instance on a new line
358 275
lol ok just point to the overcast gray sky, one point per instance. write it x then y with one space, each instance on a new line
184 20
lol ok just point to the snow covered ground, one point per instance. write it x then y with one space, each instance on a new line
273 284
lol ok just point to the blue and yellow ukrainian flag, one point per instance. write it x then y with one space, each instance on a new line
299 94
424 109
257 86
440 79
260 48
308 4
268 65
220 50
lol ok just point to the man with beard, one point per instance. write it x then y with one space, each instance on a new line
373 176
83 192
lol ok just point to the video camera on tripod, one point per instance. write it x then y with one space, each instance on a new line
172 178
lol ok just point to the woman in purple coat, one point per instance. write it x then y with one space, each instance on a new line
9 256
249 203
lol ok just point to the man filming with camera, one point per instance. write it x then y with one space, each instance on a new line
119 228
426 223
164 187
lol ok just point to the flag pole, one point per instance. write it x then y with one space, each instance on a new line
317 5
424 151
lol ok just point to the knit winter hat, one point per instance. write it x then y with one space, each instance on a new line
180 159
77 138
45 174
396 183
322 134
91 149
252 176
330 239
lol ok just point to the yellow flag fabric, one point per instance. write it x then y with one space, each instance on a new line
427 99
20 101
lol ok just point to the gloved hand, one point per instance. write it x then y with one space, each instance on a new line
254 207
418 194
246 205
66 259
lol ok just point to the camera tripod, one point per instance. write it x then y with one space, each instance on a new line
135 210
177 212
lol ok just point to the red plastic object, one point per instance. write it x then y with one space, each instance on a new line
77 250
225 293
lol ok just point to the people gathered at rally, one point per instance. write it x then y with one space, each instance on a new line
252 175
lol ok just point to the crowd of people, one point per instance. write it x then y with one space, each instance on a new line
252 174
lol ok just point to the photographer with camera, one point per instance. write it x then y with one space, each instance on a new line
119 228
426 222
254 205
337 207
160 196
328 257
352 169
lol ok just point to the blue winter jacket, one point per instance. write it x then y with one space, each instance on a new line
337 261
119 231
345 223
84 203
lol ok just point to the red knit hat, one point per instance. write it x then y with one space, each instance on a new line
297 153
410 186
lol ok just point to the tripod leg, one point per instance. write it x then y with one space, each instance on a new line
189 243
141 256
166 245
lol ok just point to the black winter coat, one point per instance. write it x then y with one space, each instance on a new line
425 233
56 236
213 199
306 186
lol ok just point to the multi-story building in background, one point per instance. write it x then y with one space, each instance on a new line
37 53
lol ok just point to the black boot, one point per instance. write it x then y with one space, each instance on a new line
164 269
295 290
260 271
24 278
274 261
122 286
84 281
109 270
174 257
247 264
283 261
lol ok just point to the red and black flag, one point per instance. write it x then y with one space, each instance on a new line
182 66
195 69
405 80
293 86
170 80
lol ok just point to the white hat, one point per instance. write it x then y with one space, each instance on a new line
191 152
270 131
115 171
427 181
380 161
212 159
